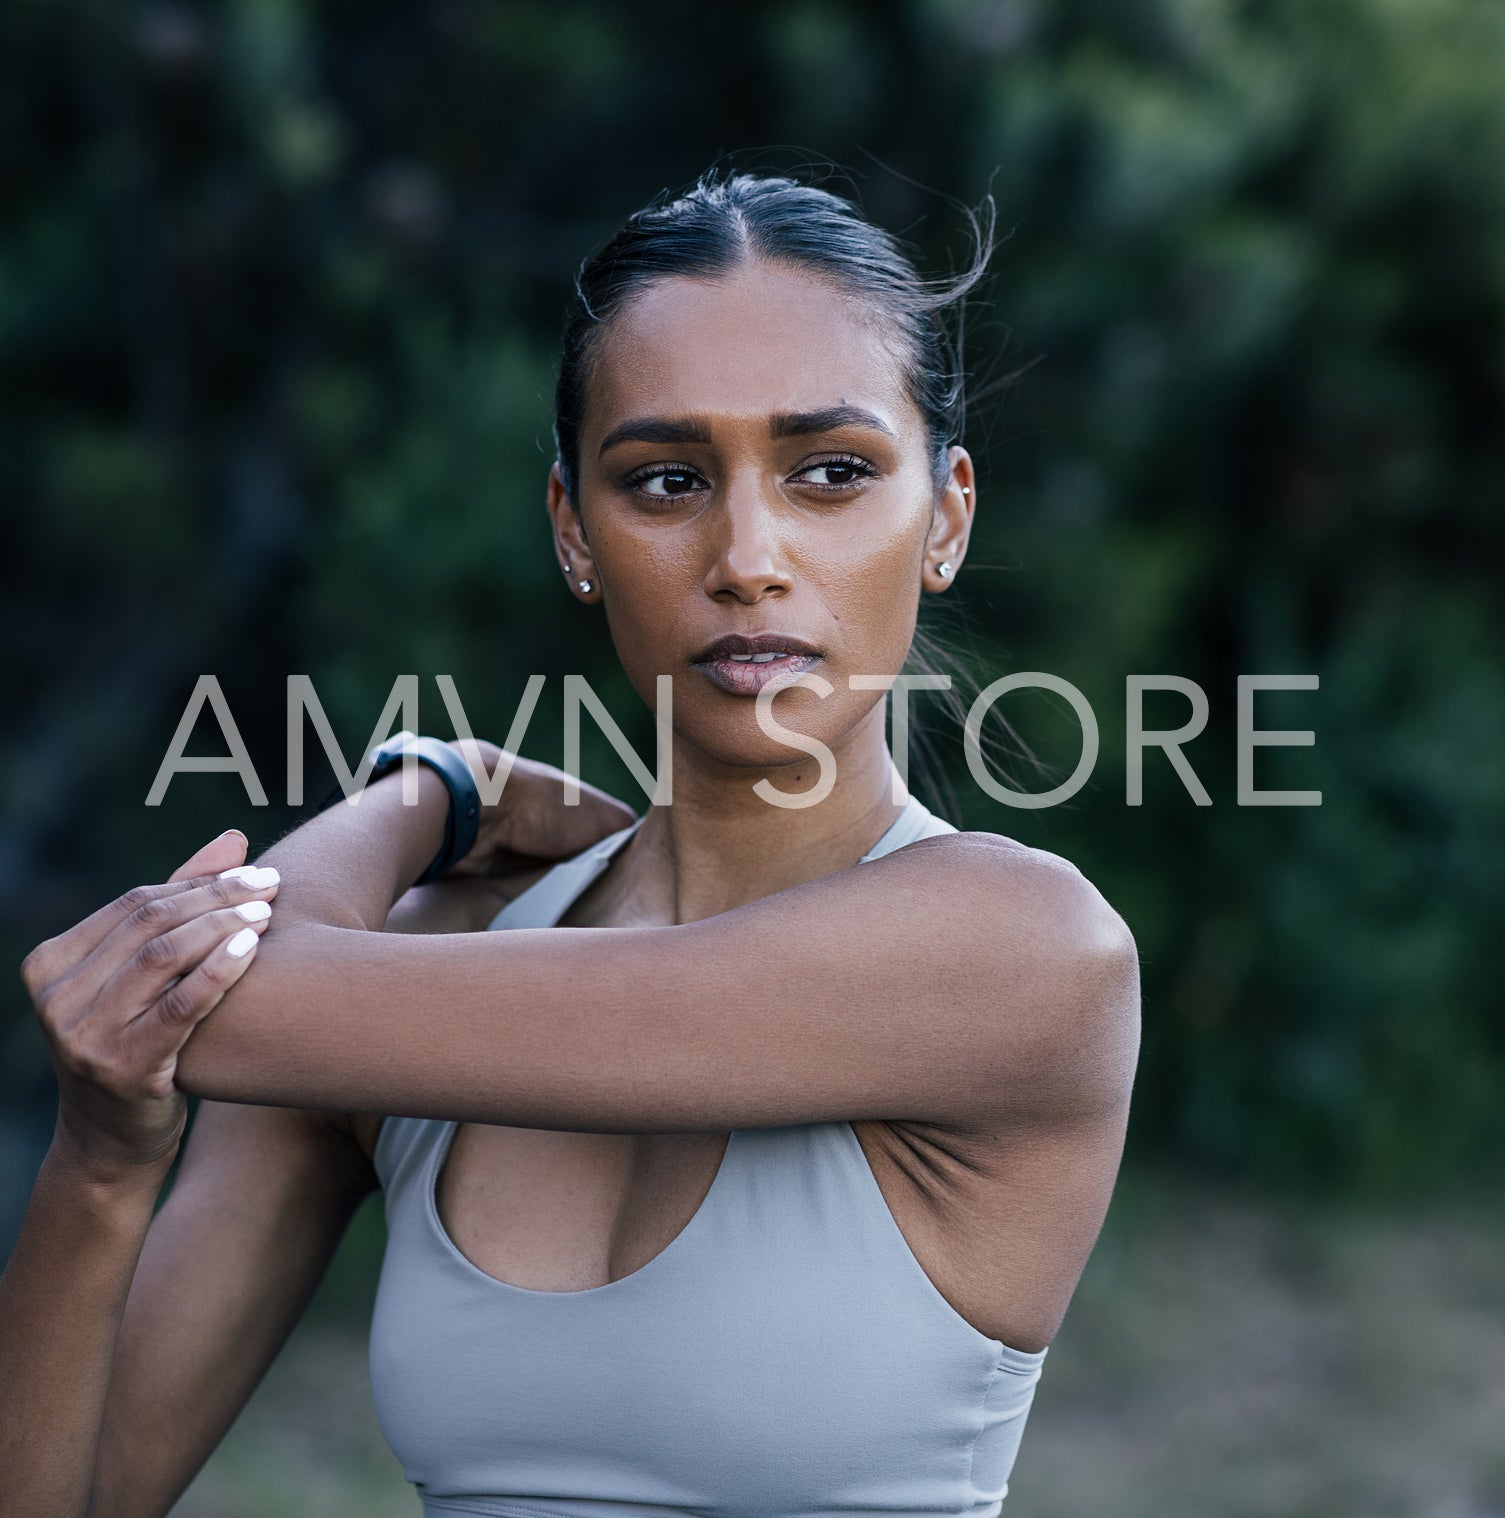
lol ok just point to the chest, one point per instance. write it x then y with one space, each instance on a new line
554 1211
782 1353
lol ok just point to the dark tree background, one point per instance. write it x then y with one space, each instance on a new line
280 284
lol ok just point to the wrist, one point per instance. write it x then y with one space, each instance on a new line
106 1184
412 812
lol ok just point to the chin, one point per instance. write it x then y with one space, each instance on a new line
739 743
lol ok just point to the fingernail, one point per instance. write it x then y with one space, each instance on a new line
242 943
257 877
254 911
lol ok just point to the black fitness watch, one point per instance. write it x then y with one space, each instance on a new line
463 821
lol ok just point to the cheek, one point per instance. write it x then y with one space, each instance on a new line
639 566
646 579
871 582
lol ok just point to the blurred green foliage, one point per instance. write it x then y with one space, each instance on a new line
279 290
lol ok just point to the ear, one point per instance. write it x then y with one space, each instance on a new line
570 546
951 524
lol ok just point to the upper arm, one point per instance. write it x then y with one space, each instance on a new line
961 980
1072 1058
261 1200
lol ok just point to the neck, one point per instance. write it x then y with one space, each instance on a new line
720 845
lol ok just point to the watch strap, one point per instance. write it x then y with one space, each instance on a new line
463 820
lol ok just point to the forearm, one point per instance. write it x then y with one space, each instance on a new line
62 1298
347 866
797 1007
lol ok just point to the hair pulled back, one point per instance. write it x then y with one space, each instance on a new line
728 219
725 221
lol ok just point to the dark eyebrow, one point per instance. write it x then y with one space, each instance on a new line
657 429
782 424
799 423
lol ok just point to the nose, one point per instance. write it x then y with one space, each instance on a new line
749 552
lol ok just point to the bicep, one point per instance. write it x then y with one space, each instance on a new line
950 981
261 1200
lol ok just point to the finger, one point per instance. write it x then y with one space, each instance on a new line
222 853
59 955
162 911
168 961
167 1023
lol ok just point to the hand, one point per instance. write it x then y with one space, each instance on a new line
118 995
531 822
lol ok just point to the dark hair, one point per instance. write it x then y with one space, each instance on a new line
725 221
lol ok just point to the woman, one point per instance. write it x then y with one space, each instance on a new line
766 1196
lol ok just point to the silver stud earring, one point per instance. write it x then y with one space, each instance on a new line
586 587
966 490
944 570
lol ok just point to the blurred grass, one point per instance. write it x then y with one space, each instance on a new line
1229 1354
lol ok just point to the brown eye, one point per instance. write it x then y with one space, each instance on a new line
836 474
664 484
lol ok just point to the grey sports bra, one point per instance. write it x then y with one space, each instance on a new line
784 1356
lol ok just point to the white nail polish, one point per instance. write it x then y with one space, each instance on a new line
257 877
254 911
242 943
237 873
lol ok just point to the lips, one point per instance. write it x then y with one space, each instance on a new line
742 665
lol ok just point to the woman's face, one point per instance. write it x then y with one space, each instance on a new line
751 465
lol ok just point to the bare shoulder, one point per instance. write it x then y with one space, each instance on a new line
1050 972
991 873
